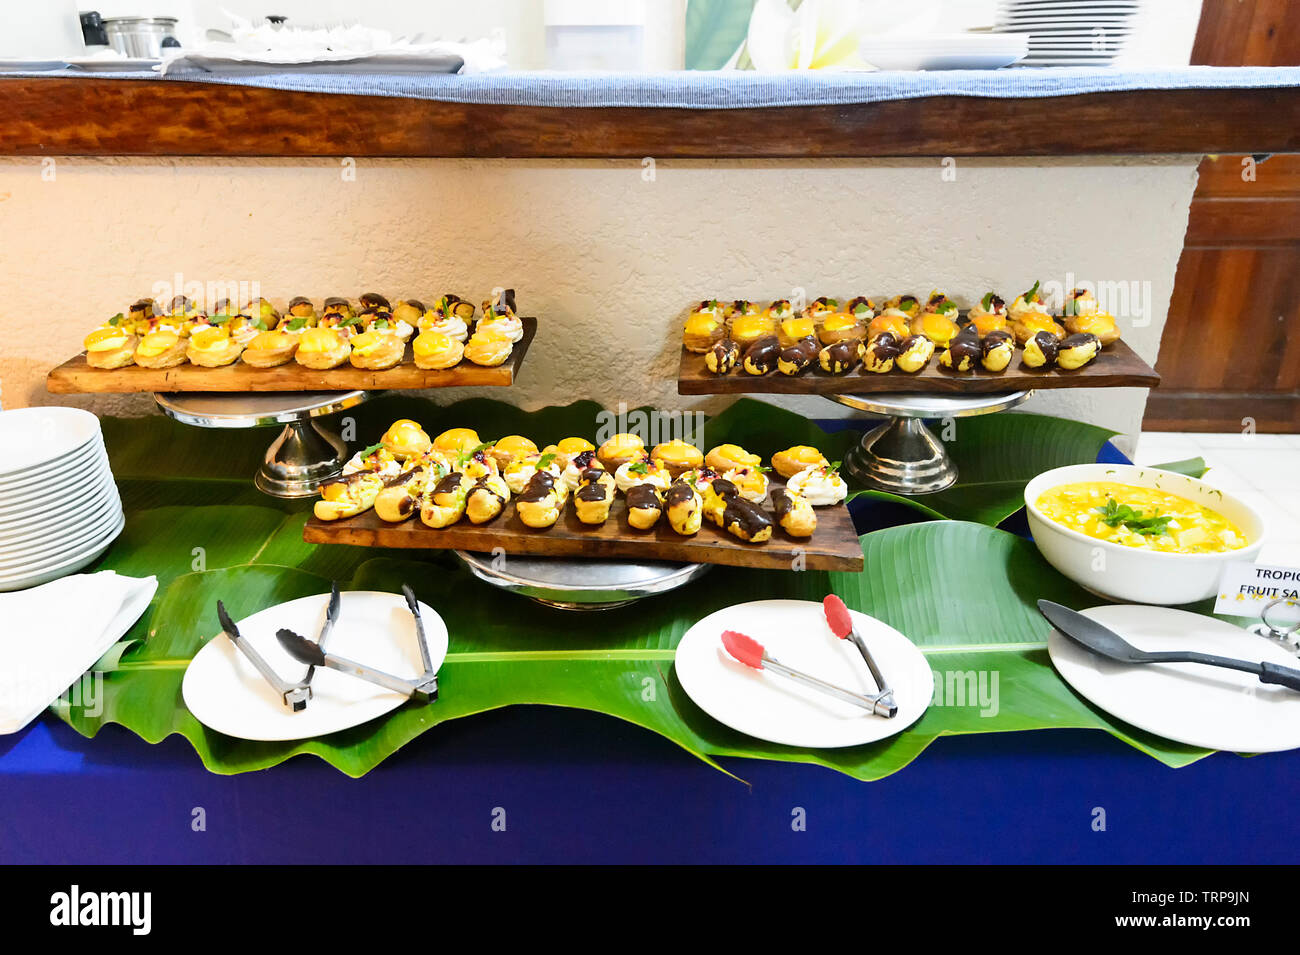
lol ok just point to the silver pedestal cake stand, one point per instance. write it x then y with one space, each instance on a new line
306 453
901 455
570 583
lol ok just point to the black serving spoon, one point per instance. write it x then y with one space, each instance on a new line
1105 642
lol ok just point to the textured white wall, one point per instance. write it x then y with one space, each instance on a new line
608 260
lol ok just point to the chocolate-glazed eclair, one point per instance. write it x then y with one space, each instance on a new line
796 516
443 504
336 305
722 356
996 350
841 356
715 497
914 353
684 508
746 520
300 306
1077 350
797 357
881 353
486 498
1040 350
963 352
455 305
141 310
595 494
401 495
644 505
761 357
375 300
540 502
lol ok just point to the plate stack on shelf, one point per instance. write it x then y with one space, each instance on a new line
59 506
1069 32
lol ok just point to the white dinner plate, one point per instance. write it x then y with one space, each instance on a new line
225 693
34 436
89 457
776 709
102 535
114 64
57 546
957 51
71 489
63 522
1203 706
35 576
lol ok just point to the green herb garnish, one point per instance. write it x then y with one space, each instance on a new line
218 319
860 308
986 302
366 452
545 460
297 324
115 319
1032 294
640 467
1114 514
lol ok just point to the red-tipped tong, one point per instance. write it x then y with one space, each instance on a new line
841 624
751 653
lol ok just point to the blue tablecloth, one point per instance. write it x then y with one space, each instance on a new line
737 89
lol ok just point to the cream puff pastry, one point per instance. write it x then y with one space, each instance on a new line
163 348
486 348
436 350
110 347
212 347
268 349
376 350
322 348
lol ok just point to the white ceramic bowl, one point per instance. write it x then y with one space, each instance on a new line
1127 574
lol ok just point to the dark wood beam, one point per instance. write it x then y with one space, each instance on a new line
104 117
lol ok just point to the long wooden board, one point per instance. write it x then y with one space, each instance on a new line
1117 366
92 116
74 376
833 546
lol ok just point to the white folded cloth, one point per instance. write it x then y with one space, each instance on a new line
52 634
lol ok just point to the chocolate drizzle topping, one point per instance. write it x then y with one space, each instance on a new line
747 515
643 497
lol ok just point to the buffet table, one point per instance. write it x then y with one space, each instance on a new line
578 786
559 771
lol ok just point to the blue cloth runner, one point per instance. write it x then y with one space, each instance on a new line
737 90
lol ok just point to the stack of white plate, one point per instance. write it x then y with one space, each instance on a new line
1069 32
59 506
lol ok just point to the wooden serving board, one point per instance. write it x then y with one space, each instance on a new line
1117 366
833 546
74 376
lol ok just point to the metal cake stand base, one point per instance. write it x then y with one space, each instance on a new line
902 455
569 583
304 455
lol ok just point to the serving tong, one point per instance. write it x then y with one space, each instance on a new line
423 688
296 695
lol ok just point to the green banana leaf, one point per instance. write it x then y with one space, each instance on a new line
963 591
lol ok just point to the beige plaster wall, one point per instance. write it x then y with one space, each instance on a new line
607 254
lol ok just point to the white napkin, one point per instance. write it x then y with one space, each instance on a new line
52 634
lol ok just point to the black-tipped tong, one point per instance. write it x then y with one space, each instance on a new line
423 688
294 695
